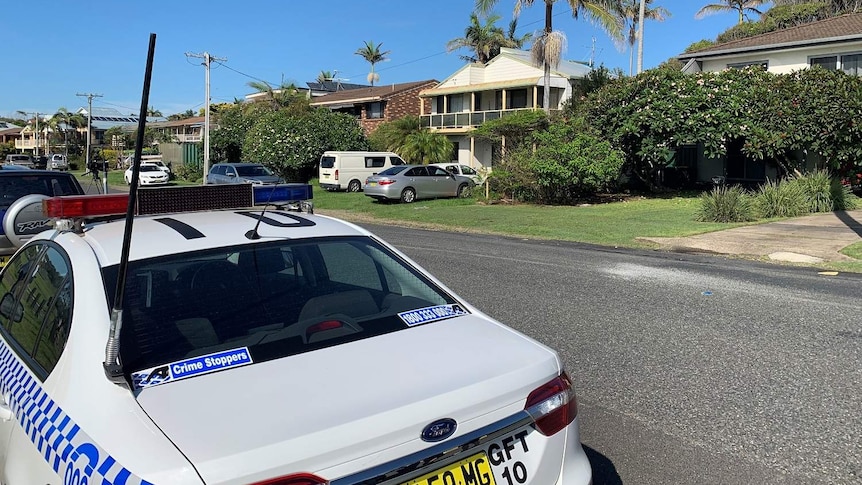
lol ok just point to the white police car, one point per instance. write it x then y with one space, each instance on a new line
251 347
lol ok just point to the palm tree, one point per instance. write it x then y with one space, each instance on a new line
426 146
324 76
373 55
741 6
516 42
151 111
630 14
280 97
547 50
71 121
484 40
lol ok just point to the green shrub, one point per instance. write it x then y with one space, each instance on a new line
192 173
725 204
780 199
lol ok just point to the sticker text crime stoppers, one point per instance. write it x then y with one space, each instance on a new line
430 314
191 367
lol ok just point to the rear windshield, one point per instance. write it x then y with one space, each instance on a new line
13 188
327 162
150 168
393 170
18 158
274 299
252 171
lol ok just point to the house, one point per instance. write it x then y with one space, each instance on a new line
374 105
10 133
179 140
479 92
102 119
834 43
314 89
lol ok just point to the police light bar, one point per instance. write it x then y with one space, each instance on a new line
171 200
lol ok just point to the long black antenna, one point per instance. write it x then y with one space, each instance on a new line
112 364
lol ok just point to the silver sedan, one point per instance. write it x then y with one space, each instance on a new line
408 183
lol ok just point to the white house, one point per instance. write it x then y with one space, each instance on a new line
834 43
479 92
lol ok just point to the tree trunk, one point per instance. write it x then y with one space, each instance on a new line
549 7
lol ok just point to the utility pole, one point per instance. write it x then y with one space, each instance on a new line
89 97
641 36
207 61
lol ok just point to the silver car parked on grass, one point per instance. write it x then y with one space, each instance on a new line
408 183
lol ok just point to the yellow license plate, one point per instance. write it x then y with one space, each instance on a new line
326 175
372 184
474 470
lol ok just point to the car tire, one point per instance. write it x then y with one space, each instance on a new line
354 186
128 182
464 190
408 195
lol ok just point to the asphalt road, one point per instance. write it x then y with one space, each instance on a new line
689 369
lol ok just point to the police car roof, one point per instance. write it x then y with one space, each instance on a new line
166 234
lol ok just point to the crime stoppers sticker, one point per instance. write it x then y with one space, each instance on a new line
191 367
430 314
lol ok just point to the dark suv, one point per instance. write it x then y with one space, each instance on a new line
21 194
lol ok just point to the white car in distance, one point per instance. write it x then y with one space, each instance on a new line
150 174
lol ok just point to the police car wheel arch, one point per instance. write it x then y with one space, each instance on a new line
24 219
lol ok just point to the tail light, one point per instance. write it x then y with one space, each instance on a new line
386 182
336 175
553 406
295 479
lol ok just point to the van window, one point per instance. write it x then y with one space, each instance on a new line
375 162
327 162
396 161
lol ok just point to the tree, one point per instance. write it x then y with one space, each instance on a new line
324 76
70 123
484 41
742 6
629 16
151 111
283 96
373 55
514 41
181 116
406 137
547 49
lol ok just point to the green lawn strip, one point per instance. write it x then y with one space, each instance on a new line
854 251
612 224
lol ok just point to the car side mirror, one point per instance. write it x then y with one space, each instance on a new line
11 309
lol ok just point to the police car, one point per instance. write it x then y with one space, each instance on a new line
260 346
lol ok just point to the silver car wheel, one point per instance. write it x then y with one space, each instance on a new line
408 195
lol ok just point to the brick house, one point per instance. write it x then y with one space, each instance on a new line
374 105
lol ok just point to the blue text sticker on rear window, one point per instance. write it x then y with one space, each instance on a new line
430 314
191 367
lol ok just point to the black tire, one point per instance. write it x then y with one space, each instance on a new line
408 195
464 190
354 186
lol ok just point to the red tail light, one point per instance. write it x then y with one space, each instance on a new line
386 182
553 406
336 175
295 479
85 205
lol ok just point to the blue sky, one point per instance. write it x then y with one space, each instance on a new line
57 48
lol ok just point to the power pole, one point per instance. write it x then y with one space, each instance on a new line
89 97
207 61
641 36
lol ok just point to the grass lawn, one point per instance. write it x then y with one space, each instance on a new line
611 224
115 178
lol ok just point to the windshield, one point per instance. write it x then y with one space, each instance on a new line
276 300
393 170
150 168
252 171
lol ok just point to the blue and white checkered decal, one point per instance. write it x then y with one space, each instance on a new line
66 448
191 367
430 314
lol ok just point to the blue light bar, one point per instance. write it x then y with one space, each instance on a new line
282 193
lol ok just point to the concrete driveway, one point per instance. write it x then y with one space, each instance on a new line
809 239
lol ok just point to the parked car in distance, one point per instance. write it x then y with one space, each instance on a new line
150 174
461 169
408 183
241 173
348 170
58 162
19 159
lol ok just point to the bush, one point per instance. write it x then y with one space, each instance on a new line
191 173
725 204
780 199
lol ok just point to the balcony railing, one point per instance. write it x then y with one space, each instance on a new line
29 144
188 138
466 120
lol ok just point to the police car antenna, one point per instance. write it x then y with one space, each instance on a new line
113 366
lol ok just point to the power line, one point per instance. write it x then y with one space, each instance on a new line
208 60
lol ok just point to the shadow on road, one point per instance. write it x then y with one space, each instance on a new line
850 222
604 471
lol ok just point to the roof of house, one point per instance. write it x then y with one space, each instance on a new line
844 28
369 94
564 68
105 118
11 131
333 86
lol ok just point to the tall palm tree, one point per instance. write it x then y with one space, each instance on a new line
373 55
70 122
325 76
742 6
547 49
484 40
516 42
151 111
279 97
630 13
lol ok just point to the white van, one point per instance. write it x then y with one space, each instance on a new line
348 170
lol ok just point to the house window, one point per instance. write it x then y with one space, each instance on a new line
826 62
477 102
456 103
516 99
852 64
374 110
441 104
740 65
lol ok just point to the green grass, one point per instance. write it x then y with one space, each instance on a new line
115 178
854 251
611 224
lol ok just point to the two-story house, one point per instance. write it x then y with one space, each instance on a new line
480 92
374 105
179 140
